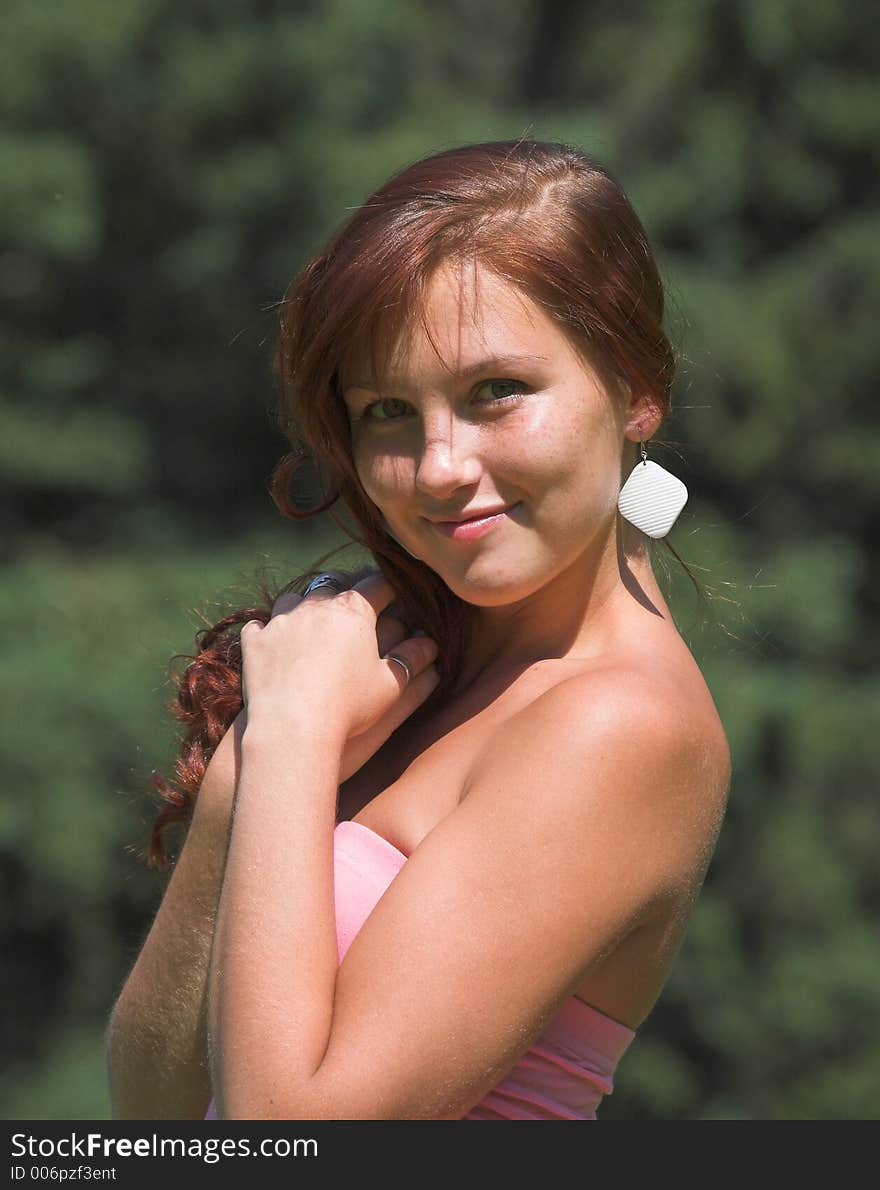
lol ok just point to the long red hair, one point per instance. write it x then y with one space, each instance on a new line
546 217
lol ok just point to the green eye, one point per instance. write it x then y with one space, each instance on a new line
369 412
503 383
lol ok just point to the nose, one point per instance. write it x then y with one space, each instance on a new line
449 459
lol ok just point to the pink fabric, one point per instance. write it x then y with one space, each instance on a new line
569 1068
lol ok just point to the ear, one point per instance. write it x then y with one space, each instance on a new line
643 416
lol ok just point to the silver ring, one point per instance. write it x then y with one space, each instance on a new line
324 580
400 661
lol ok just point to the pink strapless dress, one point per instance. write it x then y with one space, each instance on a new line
570 1066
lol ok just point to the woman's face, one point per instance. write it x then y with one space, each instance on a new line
520 423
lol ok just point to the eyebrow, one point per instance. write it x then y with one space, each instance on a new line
493 361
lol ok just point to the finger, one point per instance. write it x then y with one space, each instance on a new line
414 654
328 590
394 611
415 694
389 633
377 590
285 603
362 747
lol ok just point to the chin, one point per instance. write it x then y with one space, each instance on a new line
496 589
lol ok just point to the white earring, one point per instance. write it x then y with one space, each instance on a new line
652 497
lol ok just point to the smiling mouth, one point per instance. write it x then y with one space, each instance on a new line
480 516
475 527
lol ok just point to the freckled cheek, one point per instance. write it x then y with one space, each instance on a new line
385 477
545 444
563 461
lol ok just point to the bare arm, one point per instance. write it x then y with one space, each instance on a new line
156 1042
157 1058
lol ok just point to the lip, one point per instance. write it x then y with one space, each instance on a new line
473 527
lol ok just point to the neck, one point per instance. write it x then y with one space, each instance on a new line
578 613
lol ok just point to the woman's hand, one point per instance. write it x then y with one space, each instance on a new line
390 632
328 650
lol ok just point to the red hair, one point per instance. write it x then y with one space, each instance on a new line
546 217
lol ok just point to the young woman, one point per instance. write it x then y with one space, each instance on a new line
441 863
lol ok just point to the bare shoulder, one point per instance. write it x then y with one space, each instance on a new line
630 747
643 707
668 710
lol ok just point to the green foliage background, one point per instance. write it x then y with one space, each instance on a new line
168 168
